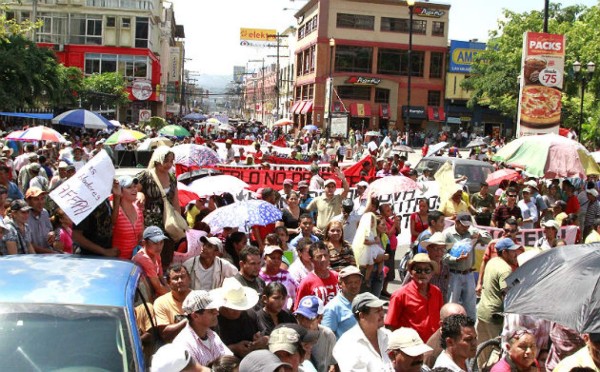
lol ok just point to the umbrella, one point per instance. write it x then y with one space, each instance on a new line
153 142
124 136
391 185
503 174
217 185
82 119
476 142
433 149
596 156
402 148
213 121
549 155
373 133
15 136
227 127
283 123
196 174
567 274
115 123
40 133
195 116
310 127
195 155
174 131
246 213
185 195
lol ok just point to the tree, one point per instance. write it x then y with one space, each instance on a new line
107 89
10 27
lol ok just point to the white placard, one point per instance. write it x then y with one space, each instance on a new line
89 187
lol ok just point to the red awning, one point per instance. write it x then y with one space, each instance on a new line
307 107
361 110
384 111
436 113
295 106
299 107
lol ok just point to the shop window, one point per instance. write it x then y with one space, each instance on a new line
438 29
402 25
395 62
382 95
353 59
354 92
356 21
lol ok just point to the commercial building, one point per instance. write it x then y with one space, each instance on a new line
363 45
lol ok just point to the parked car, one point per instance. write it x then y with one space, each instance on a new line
61 313
475 170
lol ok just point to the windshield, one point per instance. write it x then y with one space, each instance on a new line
40 337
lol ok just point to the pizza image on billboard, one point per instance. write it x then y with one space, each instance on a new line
540 105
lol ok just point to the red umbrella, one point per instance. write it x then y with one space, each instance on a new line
185 194
503 174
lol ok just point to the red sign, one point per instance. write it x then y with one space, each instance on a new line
540 43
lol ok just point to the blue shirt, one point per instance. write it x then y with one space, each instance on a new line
295 241
13 191
338 316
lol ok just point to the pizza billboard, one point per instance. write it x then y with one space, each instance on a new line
542 72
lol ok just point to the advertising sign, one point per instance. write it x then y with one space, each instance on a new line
339 126
542 72
144 116
141 89
257 34
174 66
462 55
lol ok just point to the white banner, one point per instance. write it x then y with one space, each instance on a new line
89 187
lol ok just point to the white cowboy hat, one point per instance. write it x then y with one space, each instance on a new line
235 296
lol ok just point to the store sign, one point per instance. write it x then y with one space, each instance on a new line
360 80
144 116
429 12
416 112
542 69
174 66
141 89
462 55
339 126
257 34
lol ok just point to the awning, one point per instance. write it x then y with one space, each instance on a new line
361 110
307 109
384 111
295 106
298 109
435 113
28 115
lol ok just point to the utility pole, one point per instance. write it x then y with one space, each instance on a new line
262 91
278 37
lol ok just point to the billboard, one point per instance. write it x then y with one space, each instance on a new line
542 72
238 74
174 66
257 34
462 54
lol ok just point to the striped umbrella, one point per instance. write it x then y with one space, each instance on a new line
41 133
124 136
83 119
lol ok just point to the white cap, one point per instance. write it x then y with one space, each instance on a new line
407 340
170 358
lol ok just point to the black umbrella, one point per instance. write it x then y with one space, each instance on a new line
188 177
559 285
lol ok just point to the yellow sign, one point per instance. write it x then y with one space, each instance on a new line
257 34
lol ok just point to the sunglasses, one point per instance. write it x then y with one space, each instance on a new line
422 271
512 195
511 231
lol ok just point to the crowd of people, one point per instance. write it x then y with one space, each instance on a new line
311 291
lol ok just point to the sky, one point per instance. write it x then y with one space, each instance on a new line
212 26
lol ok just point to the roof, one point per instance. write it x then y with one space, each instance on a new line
66 279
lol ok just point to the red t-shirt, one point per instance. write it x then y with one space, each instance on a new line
127 235
572 205
152 269
312 285
408 308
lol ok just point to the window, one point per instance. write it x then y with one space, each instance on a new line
125 22
129 66
395 62
86 29
141 32
402 25
357 21
418 64
434 97
436 65
53 29
354 92
353 59
111 21
382 95
297 93
438 29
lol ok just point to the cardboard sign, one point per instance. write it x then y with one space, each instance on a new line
89 187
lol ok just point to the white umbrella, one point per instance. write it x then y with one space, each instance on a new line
219 184
149 143
115 123
227 127
246 213
433 149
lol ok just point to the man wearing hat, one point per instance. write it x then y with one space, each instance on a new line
455 204
208 271
337 314
174 358
435 247
309 314
406 349
360 201
288 187
30 171
17 238
558 211
491 306
529 211
238 325
550 239
355 349
316 181
537 197
286 343
329 204
202 309
39 220
148 258
229 151
263 361
592 211
417 305
349 219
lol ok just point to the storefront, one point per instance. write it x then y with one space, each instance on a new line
384 117
360 116
414 117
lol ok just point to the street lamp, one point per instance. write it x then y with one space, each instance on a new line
411 6
331 47
583 77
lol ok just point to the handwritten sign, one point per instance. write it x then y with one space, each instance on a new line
89 187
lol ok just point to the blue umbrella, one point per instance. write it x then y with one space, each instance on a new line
247 213
83 119
310 127
195 116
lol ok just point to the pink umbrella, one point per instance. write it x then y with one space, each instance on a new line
391 185
503 174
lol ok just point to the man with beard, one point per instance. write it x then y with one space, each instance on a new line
170 318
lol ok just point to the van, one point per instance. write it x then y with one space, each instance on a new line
475 170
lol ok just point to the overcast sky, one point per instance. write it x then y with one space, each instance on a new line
212 26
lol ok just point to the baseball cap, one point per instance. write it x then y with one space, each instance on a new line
99 142
506 244
154 234
551 223
62 164
363 184
126 181
531 184
528 190
229 142
310 307
200 300
33 156
366 299
212 241
261 361
35 167
288 181
305 334
33 192
19 205
349 270
592 191
302 184
464 219
329 182
284 339
270 249
408 341
170 358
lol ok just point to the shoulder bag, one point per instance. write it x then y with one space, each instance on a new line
174 224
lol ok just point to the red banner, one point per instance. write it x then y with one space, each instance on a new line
354 170
280 142
235 141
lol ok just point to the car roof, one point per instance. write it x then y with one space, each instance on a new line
443 159
63 279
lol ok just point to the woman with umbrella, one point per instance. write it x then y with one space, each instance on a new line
159 168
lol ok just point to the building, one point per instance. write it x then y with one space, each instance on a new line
133 37
364 46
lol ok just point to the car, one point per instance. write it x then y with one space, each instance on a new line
62 313
475 170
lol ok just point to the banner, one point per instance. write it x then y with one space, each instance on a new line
462 55
236 141
281 160
540 93
83 192
257 34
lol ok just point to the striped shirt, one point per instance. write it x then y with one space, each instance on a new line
204 351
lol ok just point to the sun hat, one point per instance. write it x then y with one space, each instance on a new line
593 192
329 182
216 242
349 270
200 300
408 341
270 249
235 296
422 258
437 239
34 192
551 223
306 335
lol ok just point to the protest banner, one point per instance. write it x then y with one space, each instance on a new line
89 187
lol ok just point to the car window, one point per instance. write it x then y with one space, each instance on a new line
428 163
475 174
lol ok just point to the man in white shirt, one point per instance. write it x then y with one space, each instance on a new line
207 270
459 341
